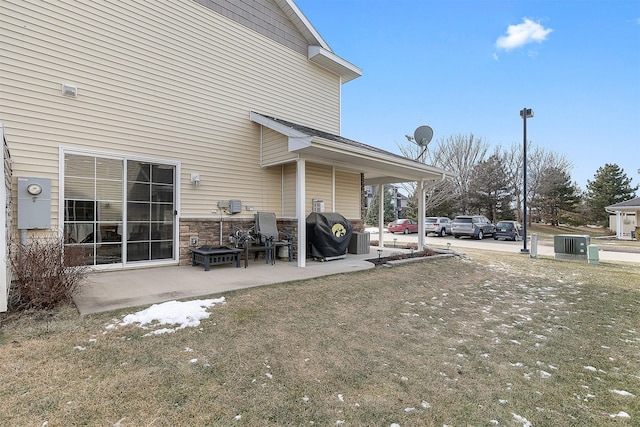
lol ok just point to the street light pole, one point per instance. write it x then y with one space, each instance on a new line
524 113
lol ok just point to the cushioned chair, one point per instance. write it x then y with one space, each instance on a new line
268 234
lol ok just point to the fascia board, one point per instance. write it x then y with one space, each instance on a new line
278 127
380 157
334 63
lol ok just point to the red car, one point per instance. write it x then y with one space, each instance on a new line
405 226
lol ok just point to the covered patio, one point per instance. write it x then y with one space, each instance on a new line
378 167
627 214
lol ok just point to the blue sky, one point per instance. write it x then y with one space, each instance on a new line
470 66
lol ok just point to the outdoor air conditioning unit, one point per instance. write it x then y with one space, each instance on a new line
570 246
359 243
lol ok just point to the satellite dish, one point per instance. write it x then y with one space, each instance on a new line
422 136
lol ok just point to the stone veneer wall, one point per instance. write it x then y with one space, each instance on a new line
207 231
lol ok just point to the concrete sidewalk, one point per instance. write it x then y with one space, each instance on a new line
112 290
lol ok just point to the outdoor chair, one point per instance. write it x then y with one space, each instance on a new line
268 234
248 241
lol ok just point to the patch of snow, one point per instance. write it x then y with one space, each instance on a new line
182 313
544 374
623 393
425 404
523 420
591 368
340 398
620 414
411 409
79 348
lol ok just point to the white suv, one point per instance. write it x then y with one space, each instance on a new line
439 225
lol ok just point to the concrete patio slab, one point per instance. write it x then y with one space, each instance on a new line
112 290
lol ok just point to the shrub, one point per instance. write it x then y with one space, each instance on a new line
45 273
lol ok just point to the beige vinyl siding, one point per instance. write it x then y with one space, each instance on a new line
289 190
319 186
275 148
164 80
348 194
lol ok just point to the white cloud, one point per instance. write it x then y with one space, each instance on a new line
522 34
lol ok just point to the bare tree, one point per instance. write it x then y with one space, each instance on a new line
512 162
457 154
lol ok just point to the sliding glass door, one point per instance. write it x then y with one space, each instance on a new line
119 210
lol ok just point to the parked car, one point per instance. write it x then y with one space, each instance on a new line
439 225
405 226
508 230
474 226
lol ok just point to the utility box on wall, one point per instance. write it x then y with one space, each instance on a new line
34 203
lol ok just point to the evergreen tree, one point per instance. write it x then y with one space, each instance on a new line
556 195
374 207
609 186
489 190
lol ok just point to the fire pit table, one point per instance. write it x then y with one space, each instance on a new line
215 255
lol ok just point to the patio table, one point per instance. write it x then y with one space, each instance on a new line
269 253
215 255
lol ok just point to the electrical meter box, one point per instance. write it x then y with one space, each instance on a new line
235 206
34 203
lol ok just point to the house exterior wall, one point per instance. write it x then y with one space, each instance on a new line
265 17
289 190
172 80
275 148
349 195
629 223
319 186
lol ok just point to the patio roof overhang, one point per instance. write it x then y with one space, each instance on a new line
632 206
377 166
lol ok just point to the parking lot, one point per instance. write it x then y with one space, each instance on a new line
544 248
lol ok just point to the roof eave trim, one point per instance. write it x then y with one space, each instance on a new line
389 158
296 140
332 62
302 23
